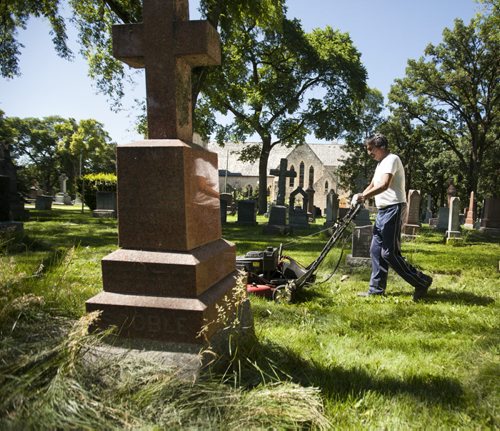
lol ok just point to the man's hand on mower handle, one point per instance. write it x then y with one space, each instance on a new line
358 198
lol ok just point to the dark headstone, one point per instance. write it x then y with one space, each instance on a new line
43 203
361 241
223 211
362 218
298 216
443 216
247 212
490 220
332 208
105 204
4 198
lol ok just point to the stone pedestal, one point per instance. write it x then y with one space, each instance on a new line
174 268
62 199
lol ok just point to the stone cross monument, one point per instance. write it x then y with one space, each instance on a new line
173 267
282 175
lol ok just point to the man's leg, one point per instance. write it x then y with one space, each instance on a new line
391 251
380 267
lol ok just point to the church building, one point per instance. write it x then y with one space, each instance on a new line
315 165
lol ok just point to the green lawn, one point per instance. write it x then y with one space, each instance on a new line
328 360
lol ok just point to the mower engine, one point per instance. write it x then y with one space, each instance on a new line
268 269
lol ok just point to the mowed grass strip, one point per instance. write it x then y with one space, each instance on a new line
378 363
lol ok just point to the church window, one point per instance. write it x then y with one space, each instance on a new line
311 177
326 186
292 179
301 175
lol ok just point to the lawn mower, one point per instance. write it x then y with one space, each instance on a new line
274 275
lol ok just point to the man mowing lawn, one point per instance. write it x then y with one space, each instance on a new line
388 188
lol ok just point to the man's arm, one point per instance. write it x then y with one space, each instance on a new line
371 190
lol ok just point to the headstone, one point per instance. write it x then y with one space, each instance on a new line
412 218
43 203
310 200
173 270
362 218
9 170
453 220
247 213
298 216
282 175
223 211
332 208
105 205
442 218
7 225
490 221
4 198
470 217
361 242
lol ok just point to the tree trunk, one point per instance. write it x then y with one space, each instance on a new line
264 158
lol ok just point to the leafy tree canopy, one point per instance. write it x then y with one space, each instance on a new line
453 93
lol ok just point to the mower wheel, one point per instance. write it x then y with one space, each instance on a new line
282 294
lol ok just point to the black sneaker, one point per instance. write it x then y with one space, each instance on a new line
421 292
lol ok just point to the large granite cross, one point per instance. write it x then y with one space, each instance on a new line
282 174
167 45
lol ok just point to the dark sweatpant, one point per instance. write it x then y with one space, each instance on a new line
385 251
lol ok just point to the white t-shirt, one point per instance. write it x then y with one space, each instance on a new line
395 194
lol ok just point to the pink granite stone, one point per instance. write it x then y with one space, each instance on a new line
168 196
184 275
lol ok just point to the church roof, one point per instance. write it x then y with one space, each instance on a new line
329 154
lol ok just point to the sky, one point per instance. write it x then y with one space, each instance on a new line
386 32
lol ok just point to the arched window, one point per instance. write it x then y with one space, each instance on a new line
249 190
268 190
326 186
292 179
311 177
301 175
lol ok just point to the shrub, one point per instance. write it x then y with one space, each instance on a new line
89 184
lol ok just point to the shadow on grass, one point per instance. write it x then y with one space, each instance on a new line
462 298
338 382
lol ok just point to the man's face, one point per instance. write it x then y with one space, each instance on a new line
375 153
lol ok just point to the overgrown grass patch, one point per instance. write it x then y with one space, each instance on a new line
376 363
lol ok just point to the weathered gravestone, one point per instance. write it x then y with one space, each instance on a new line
332 208
361 242
310 201
453 219
470 216
247 213
173 268
62 198
15 200
278 214
105 204
490 220
428 210
6 222
443 218
412 218
223 211
43 203
362 217
298 216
